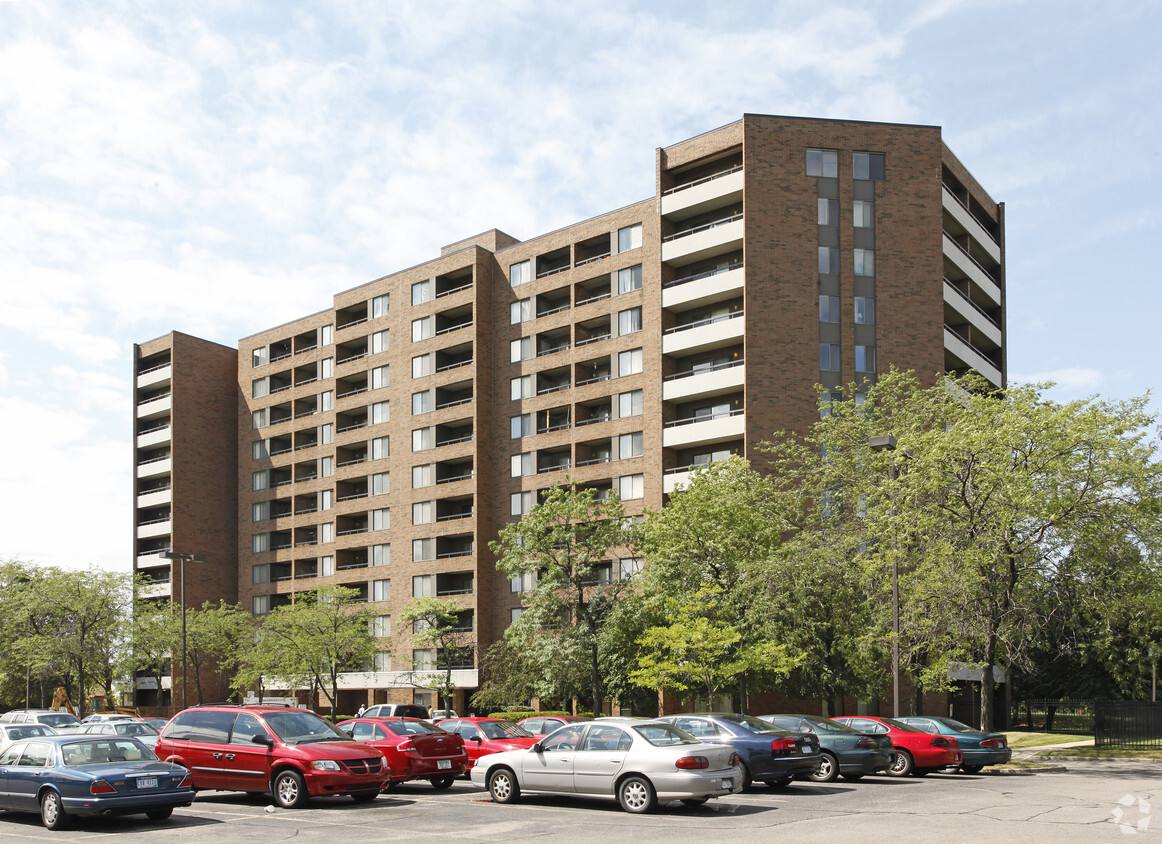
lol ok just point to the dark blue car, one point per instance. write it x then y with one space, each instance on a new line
979 748
62 776
844 751
769 753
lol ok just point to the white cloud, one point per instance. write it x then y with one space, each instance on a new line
1071 380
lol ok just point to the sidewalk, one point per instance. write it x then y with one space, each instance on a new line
1029 753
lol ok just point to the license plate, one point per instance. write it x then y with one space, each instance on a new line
147 782
444 763
727 783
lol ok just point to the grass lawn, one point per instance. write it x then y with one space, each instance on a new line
1107 753
1035 739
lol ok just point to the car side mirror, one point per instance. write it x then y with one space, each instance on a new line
538 748
477 739
263 740
350 732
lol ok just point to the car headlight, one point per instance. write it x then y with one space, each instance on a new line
325 765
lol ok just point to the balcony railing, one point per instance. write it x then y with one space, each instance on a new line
597 298
552 350
453 516
455 327
594 379
157 368
978 264
977 307
703 180
733 218
450 291
592 258
594 339
450 479
698 323
445 367
693 420
706 274
718 367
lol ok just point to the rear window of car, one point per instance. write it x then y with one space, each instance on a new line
664 735
502 729
28 731
100 751
411 728
58 719
755 725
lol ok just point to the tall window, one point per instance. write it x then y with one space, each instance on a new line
521 503
829 309
520 311
629 321
381 624
521 273
421 402
379 306
521 388
865 358
380 412
327 367
423 512
326 401
423 328
863 214
629 279
423 549
422 292
381 483
630 404
520 349
424 586
260 356
865 310
381 591
630 362
630 445
823 162
828 259
326 335
380 448
381 519
380 377
423 476
380 342
259 388
629 237
521 426
630 487
522 464
865 262
422 365
423 439
828 212
381 555
829 357
867 165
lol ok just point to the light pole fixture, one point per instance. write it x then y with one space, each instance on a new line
886 442
184 558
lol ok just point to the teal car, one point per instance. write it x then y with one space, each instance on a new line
843 751
979 748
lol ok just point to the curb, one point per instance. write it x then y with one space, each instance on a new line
1096 758
1018 772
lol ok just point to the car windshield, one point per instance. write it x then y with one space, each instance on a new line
755 725
664 735
829 726
132 728
411 728
100 751
956 726
502 729
302 727
900 725
58 719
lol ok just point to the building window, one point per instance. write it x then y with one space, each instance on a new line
380 341
521 273
380 377
867 165
424 586
526 582
259 450
823 162
380 448
259 387
381 555
424 475
521 426
865 310
327 533
260 357
381 625
260 574
520 311
326 467
327 368
828 259
381 519
422 292
423 439
423 512
629 567
423 550
520 349
865 262
828 212
421 402
261 513
629 363
326 499
381 483
326 401
829 357
631 486
514 614
259 418
261 604
379 306
260 542
260 480
630 445
630 404
522 464
326 335
326 566
629 321
521 503
829 309
381 591
629 237
422 365
380 412
424 659
865 358
629 279
326 434
521 388
863 214
423 328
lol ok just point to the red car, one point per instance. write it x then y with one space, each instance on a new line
415 750
487 735
542 725
917 752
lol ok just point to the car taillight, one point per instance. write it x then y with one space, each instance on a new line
187 782
991 742
940 741
782 744
734 761
690 762
101 787
867 742
408 744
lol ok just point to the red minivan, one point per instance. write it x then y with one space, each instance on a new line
292 754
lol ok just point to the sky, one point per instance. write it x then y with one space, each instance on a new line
217 168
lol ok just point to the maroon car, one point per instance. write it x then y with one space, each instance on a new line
415 749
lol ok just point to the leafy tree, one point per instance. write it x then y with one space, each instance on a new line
216 638
437 625
155 637
566 543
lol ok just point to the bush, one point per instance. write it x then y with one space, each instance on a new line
529 713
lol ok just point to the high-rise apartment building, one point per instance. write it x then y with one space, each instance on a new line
382 442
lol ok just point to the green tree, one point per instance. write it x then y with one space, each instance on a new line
216 638
566 543
437 624
155 636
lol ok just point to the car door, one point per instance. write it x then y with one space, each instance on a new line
8 760
247 761
30 772
551 769
600 759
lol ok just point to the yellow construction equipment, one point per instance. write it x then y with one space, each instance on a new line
61 702
104 703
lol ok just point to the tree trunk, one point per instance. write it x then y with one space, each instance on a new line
598 710
743 697
986 683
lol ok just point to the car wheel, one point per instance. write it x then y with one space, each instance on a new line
828 769
502 785
972 769
289 790
694 801
747 780
902 765
852 777
440 783
159 814
52 812
636 795
365 796
779 783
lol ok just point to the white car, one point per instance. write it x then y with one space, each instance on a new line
637 763
15 732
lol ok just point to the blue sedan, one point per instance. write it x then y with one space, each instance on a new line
63 776
846 752
769 753
979 748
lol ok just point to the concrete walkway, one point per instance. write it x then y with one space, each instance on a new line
1034 752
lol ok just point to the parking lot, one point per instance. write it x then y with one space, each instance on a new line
1080 804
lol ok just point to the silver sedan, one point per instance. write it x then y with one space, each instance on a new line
638 763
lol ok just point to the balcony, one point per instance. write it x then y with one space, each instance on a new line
306 341
551 342
453 357
452 509
352 350
157 589
960 309
553 302
351 316
598 410
454 282
451 471
594 330
705 282
150 528
960 355
279 350
704 240
708 332
154 376
965 221
553 262
152 406
959 264
448 547
154 496
453 320
592 250
594 452
697 195
706 380
708 428
453 433
593 371
455 583
155 434
151 466
592 290
553 380
453 395
553 419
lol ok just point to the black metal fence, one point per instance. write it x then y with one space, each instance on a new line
1128 724
1054 716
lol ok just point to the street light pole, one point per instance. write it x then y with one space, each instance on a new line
184 558
887 442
